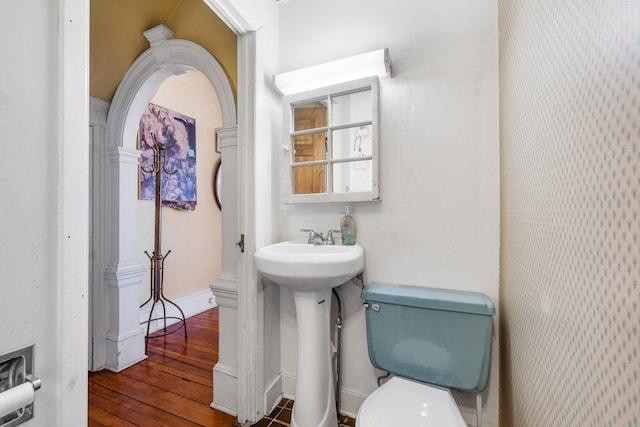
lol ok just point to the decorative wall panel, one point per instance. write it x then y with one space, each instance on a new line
570 179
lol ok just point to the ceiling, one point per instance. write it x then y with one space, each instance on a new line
117 40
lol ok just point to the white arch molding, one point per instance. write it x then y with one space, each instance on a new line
118 340
124 340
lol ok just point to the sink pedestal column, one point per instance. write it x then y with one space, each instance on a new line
315 404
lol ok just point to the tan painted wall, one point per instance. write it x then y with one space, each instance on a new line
570 176
192 236
117 38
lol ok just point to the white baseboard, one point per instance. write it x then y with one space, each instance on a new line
225 388
124 350
191 305
273 394
350 402
288 385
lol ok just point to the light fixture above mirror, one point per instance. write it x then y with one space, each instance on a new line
375 63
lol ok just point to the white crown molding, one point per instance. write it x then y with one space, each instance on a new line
240 21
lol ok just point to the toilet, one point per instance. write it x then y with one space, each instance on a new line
432 340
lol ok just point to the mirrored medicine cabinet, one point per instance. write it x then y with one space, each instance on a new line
331 149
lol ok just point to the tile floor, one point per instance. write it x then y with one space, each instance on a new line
281 417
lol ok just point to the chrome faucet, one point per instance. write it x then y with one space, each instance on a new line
330 240
316 238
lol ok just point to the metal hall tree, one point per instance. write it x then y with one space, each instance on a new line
157 259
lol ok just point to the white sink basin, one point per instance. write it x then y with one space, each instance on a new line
305 267
311 271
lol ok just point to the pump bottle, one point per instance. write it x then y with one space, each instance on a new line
348 228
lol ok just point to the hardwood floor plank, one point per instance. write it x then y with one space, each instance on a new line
193 357
196 375
194 352
184 365
168 401
125 411
172 387
102 418
168 382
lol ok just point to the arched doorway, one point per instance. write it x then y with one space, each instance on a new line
118 279
190 233
123 343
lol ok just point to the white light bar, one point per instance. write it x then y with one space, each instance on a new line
376 63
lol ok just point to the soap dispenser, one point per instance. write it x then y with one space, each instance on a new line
348 228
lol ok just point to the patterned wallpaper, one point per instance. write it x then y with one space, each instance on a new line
570 178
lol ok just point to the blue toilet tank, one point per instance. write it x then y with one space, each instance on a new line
437 336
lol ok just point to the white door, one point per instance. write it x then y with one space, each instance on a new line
44 188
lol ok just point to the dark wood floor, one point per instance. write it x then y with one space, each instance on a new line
173 387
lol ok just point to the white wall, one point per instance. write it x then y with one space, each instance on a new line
44 214
438 221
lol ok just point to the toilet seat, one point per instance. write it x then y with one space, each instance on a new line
403 402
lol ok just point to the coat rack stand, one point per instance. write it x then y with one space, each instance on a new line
156 258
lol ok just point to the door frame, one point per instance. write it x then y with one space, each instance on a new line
71 303
250 358
122 275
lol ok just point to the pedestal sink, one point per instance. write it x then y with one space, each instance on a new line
311 271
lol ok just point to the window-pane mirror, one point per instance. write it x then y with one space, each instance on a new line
331 148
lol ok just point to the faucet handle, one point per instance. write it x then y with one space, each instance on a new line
330 240
312 234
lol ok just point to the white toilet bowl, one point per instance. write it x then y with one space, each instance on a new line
407 403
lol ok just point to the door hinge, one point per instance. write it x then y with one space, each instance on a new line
240 243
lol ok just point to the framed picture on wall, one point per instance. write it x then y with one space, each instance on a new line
178 132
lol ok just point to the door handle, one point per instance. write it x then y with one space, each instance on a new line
240 243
